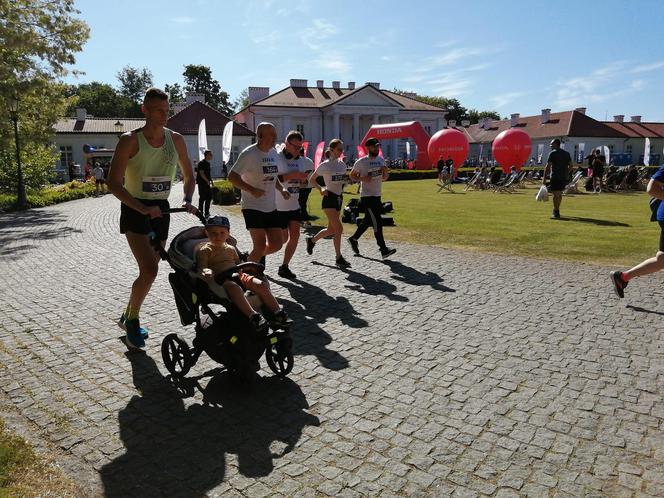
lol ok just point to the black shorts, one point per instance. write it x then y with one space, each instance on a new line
135 222
598 172
258 219
557 184
288 216
661 236
332 201
99 182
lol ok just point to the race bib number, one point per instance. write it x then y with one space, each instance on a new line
294 190
270 169
156 187
339 178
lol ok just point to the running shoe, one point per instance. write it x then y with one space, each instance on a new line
280 320
342 263
555 215
121 323
310 245
134 339
618 283
354 245
285 272
387 253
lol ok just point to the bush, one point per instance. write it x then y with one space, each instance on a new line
48 196
223 193
36 162
412 174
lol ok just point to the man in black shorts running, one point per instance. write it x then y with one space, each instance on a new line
559 164
255 173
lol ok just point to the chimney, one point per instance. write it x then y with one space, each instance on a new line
351 85
335 84
546 115
298 83
374 84
635 119
257 93
619 118
582 110
465 123
320 83
451 123
514 119
81 114
192 97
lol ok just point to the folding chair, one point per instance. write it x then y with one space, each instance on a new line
445 183
472 182
570 188
507 185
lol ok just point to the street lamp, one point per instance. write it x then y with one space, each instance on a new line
119 128
21 199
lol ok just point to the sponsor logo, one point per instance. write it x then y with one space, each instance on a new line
385 131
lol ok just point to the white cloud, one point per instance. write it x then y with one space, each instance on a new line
317 32
183 20
334 63
502 100
648 67
269 39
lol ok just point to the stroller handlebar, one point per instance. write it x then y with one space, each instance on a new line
198 214
221 277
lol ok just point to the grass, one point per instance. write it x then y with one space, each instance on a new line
607 228
23 473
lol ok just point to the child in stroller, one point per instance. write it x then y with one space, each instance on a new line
222 330
215 256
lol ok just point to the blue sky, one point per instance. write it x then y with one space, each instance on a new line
508 56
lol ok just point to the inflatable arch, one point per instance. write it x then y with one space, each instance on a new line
409 129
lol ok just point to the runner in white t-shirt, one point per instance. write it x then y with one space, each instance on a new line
371 171
255 173
334 173
289 209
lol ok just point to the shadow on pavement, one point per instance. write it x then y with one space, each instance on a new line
173 450
603 223
368 285
644 310
409 275
316 306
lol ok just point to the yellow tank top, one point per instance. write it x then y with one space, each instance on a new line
151 172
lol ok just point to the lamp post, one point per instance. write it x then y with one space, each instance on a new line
21 199
119 128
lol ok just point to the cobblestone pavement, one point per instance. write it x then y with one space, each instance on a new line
438 373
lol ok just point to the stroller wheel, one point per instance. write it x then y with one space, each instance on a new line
176 355
279 358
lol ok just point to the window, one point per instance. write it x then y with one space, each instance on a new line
66 155
300 128
628 149
611 148
428 129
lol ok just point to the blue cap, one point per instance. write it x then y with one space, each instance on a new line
218 221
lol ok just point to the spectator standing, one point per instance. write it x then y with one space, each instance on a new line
100 183
204 183
559 165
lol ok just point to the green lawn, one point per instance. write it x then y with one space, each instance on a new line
605 228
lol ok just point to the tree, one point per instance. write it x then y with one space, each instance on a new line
38 40
198 79
242 100
474 115
134 82
103 101
454 108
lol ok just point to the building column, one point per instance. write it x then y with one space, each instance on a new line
285 127
356 129
335 125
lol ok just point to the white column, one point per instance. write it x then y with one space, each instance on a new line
376 119
356 129
335 125
285 128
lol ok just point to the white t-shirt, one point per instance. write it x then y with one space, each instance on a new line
290 166
308 167
373 167
259 169
334 173
99 173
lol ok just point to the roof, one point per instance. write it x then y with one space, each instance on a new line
187 120
560 124
636 130
316 98
97 125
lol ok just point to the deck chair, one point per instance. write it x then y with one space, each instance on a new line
472 182
445 183
507 185
571 188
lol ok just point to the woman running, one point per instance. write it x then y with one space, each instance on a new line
334 173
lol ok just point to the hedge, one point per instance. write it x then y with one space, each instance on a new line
223 193
52 195
412 174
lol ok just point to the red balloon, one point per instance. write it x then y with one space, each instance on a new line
449 143
511 148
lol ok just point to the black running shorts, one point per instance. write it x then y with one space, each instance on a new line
332 201
258 219
135 222
288 216
557 184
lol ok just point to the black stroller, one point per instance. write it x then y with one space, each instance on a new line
224 333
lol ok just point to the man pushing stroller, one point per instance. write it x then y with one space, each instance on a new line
215 256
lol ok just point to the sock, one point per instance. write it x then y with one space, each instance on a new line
625 277
131 313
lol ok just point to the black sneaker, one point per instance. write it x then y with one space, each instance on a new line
280 320
342 263
258 321
618 283
354 245
386 254
555 215
285 272
310 245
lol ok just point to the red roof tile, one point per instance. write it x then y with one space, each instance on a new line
635 130
97 125
187 120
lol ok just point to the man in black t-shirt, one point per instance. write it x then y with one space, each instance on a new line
559 165
204 184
